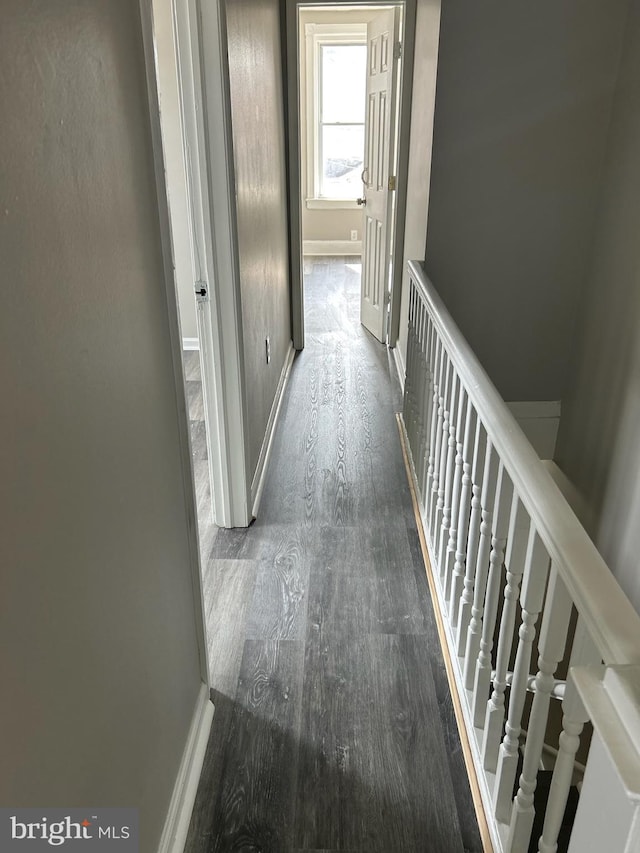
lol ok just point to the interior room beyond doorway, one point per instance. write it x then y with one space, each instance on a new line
349 86
332 68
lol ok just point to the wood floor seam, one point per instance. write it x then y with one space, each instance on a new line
334 729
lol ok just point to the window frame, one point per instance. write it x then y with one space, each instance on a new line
317 36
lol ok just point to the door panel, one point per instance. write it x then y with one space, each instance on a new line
382 35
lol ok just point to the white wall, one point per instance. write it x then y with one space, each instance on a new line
330 225
523 102
99 618
175 165
599 439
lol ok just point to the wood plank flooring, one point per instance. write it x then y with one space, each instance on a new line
334 728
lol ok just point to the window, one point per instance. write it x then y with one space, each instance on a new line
342 72
336 89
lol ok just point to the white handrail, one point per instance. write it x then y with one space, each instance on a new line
612 622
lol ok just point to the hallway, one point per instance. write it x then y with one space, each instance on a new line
333 727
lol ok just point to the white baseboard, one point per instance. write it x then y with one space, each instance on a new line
471 751
257 484
178 817
332 247
190 344
399 361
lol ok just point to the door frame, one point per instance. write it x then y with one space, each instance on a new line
203 81
295 158
202 78
380 166
168 288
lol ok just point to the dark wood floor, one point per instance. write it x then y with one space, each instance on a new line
334 728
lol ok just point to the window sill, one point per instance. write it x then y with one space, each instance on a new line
332 204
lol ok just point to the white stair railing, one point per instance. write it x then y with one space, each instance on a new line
499 533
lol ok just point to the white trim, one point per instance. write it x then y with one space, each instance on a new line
332 247
298 190
294 183
257 484
190 344
340 31
400 366
601 689
176 825
207 310
317 35
467 730
332 204
403 137
212 150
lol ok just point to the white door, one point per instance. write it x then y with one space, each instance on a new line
382 38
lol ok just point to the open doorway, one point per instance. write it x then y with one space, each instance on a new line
190 277
195 158
348 132
333 65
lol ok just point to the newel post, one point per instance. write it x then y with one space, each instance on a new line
608 816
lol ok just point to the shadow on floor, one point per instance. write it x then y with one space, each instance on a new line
334 727
286 797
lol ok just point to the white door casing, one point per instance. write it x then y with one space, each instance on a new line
201 58
382 38
196 228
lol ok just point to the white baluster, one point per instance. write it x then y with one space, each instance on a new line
431 360
553 639
477 470
418 376
436 434
472 648
583 653
463 516
409 378
425 396
514 562
536 569
444 442
451 541
482 680
416 373
437 444
443 535
421 379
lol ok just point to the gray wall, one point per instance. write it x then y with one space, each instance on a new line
257 111
419 167
523 103
98 649
598 445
